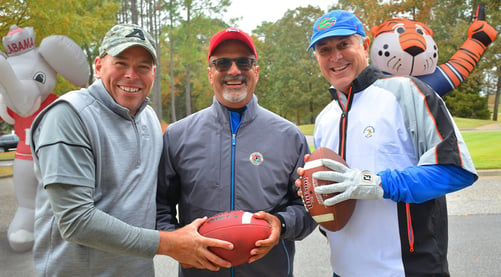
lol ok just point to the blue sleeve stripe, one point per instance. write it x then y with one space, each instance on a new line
417 184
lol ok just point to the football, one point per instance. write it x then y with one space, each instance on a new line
332 218
239 228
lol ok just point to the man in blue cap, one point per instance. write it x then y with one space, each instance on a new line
399 132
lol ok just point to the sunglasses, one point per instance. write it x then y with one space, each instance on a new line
224 64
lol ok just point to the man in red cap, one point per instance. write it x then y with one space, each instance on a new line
236 155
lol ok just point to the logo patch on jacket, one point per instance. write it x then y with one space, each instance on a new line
369 131
256 158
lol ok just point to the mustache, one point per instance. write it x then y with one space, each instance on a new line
241 78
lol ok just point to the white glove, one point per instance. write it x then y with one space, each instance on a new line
351 183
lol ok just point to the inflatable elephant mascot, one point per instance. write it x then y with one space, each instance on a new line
406 47
28 76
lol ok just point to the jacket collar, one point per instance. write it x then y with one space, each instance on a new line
222 112
366 78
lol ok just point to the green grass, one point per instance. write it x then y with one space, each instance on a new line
485 148
468 123
307 129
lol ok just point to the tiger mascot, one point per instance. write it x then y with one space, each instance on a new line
406 47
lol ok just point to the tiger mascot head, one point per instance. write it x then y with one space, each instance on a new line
404 47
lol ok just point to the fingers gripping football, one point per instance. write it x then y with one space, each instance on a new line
350 183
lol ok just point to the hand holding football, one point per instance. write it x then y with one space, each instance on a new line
332 218
239 228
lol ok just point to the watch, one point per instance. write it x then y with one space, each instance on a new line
282 224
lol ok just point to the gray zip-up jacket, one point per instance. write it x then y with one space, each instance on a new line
100 222
206 169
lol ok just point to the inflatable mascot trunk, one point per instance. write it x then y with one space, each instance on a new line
27 79
406 47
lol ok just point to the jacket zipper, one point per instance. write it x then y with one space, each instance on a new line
235 120
233 145
234 130
343 124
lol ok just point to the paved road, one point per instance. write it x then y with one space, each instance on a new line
474 236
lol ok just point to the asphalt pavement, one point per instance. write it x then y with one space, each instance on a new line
474 236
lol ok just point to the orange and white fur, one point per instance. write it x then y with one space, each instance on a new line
405 47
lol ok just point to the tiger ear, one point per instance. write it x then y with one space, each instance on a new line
375 30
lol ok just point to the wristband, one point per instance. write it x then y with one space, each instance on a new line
282 224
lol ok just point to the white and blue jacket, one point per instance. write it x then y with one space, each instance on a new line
401 129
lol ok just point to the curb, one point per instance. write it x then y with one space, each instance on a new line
489 172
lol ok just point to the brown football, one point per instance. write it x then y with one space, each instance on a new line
332 218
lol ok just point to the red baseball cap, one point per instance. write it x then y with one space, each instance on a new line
231 33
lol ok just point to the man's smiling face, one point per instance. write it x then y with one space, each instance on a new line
342 59
233 88
128 77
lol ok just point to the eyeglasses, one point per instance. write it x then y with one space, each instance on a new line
224 64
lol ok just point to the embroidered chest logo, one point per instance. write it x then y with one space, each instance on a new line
256 158
144 132
369 131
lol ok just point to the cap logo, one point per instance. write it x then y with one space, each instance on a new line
326 23
136 34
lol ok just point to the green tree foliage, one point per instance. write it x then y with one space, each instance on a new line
467 104
12 12
450 25
172 16
290 81
192 28
490 64
193 52
189 25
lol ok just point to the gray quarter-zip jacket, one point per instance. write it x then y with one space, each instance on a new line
206 169
102 218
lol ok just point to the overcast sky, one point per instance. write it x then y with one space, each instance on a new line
253 12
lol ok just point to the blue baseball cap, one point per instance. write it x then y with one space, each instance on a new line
335 24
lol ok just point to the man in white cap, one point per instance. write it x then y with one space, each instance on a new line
96 155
